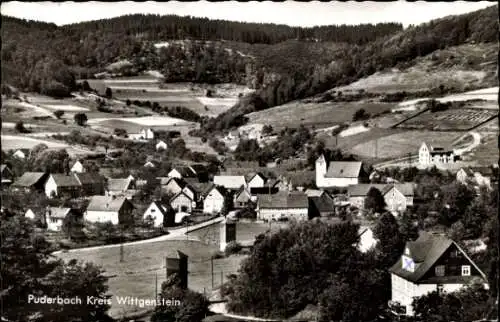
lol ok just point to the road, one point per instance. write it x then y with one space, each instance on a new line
174 234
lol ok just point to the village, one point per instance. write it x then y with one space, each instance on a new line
184 169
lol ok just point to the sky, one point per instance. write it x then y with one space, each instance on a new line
305 14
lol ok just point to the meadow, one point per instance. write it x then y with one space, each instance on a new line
143 263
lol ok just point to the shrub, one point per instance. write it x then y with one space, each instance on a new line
80 119
20 127
232 248
58 114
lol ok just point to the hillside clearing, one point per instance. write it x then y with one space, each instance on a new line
68 108
143 121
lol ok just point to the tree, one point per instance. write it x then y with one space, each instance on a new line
19 127
29 269
86 87
360 114
375 200
192 306
108 93
267 129
128 102
81 119
58 114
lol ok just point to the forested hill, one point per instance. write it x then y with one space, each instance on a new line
303 71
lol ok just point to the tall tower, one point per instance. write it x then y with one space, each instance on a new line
227 233
320 168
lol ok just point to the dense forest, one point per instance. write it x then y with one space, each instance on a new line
283 63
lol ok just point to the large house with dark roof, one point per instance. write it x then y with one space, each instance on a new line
338 173
283 205
58 184
31 182
431 263
91 183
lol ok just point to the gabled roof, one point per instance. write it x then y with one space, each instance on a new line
163 209
284 200
241 193
323 203
63 180
314 192
220 189
252 175
230 182
425 252
119 184
3 167
361 190
407 189
344 169
106 203
89 178
58 213
179 194
185 172
29 179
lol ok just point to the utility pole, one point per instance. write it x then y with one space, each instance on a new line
212 269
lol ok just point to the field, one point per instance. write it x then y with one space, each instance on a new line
400 144
488 94
14 142
192 96
143 262
453 119
313 114
245 232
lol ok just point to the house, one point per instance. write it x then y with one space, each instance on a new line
190 192
429 155
242 198
149 164
338 173
181 202
7 175
31 182
30 214
21 153
283 206
112 209
431 263
144 134
256 180
55 217
161 145
397 196
466 176
322 205
367 240
59 184
181 172
230 182
199 188
91 183
171 185
77 167
120 186
214 200
162 215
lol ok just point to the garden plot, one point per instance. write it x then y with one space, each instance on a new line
453 119
400 144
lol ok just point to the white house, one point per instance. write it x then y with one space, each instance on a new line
55 217
171 185
283 205
256 180
77 167
21 153
397 196
182 203
159 213
6 174
108 209
161 145
367 240
338 173
429 155
431 263
230 182
214 201
144 134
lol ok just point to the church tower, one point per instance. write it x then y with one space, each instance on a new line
321 168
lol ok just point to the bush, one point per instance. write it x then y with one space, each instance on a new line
58 114
232 248
80 119
360 114
20 127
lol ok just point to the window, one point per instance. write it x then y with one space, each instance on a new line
439 270
153 210
440 288
465 270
